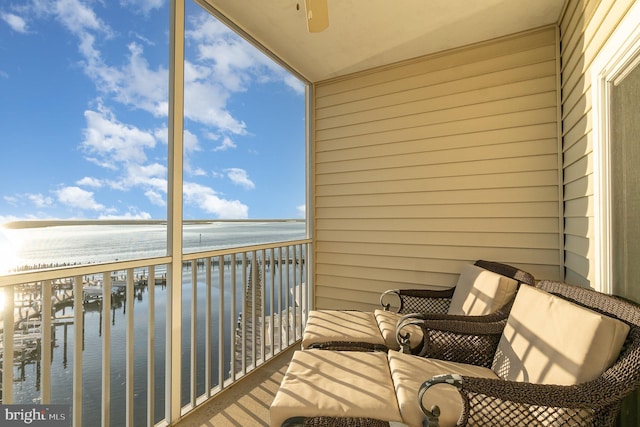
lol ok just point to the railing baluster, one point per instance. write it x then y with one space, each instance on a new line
263 317
208 264
234 317
194 331
78 330
129 358
233 321
288 295
106 347
221 324
254 286
8 331
291 291
151 345
45 349
284 323
272 270
243 343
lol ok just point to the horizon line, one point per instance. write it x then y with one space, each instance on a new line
37 223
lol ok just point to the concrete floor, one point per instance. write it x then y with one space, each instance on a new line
246 403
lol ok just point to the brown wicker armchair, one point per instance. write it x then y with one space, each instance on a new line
362 387
429 301
592 403
366 331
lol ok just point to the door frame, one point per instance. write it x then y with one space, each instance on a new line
620 54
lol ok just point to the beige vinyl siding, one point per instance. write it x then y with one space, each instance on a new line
584 29
436 162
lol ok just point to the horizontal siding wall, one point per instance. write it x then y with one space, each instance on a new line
433 163
584 29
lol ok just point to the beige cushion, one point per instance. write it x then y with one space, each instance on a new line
336 383
548 340
409 372
479 292
339 325
387 323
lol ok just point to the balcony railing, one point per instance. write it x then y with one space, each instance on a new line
97 337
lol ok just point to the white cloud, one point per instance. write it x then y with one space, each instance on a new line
207 199
16 23
226 144
149 176
77 17
295 84
144 6
235 63
155 198
239 176
190 142
106 140
134 84
302 210
129 215
78 198
88 181
198 172
12 200
206 100
39 200
32 199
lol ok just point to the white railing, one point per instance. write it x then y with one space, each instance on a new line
103 348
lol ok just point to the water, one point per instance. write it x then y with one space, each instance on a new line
93 243
27 247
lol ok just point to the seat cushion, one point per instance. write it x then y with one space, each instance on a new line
479 292
339 325
549 340
409 372
336 383
387 323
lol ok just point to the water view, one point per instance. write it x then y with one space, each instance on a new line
231 281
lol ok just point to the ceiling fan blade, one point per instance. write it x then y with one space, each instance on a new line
317 13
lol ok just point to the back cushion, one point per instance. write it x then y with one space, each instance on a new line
479 292
549 340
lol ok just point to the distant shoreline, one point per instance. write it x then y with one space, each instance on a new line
62 222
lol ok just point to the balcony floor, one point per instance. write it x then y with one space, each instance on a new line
245 403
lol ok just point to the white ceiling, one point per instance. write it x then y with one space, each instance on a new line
364 34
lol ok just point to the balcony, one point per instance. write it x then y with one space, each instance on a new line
109 347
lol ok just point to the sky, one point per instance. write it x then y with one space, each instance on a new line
83 116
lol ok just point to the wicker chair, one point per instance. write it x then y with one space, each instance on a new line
493 401
430 301
411 307
592 403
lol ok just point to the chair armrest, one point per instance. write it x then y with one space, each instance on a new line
433 414
462 339
486 401
456 338
418 300
403 334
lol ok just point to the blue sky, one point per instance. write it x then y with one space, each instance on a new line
83 113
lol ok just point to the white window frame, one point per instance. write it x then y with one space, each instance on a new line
620 54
